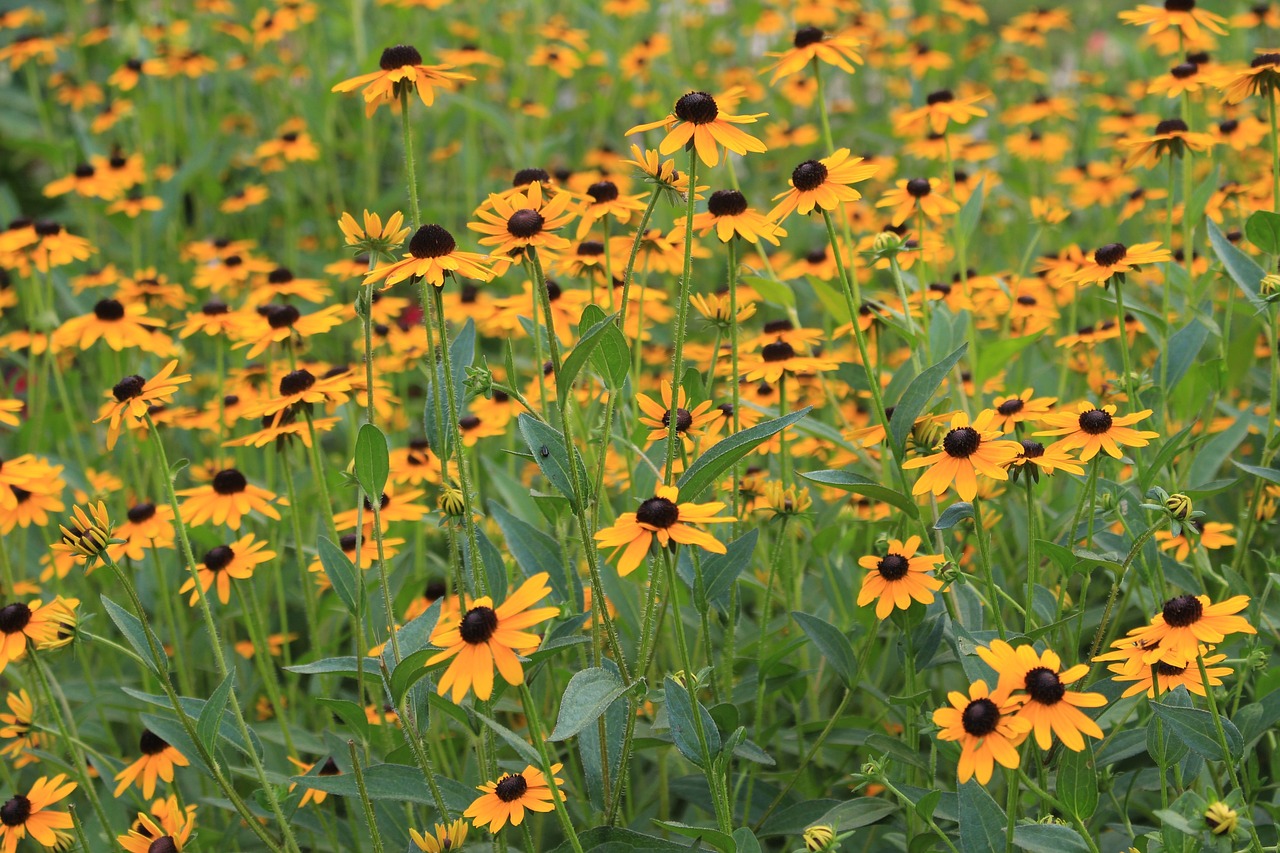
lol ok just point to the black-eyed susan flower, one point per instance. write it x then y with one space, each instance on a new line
119 326
967 451
1159 678
697 121
157 762
605 199
506 800
1013 409
87 535
373 236
987 729
779 357
941 109
401 68
662 517
1186 622
16 728
811 44
899 577
166 830
729 215
516 221
225 499
30 815
1035 458
1038 684
433 254
281 323
223 564
1172 138
657 416
824 184
444 839
1182 15
917 194
484 637
132 396
663 174
1262 77
1092 429
312 795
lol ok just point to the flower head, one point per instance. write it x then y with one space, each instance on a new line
696 121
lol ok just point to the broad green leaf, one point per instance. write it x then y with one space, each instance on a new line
832 644
1263 230
859 485
345 666
411 669
1165 456
721 571
588 695
581 353
953 515
612 358
1210 456
1049 838
708 468
133 631
227 728
1184 346
1078 782
832 300
533 550
373 461
396 782
1244 271
713 838
549 451
341 573
771 291
615 839
981 819
967 220
522 747
355 717
589 744
211 714
683 728
1196 728
918 394
1271 475
746 840
859 812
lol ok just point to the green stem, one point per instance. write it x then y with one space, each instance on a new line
369 816
536 732
984 552
682 319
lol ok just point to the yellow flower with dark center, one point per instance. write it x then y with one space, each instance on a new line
697 121
1221 819
941 108
1175 14
1038 684
445 839
433 254
225 500
224 563
166 830
779 357
1035 457
1172 138
16 727
966 452
657 416
401 68
1093 429
899 577
1185 623
917 194
811 44
1262 77
506 800
482 637
605 200
157 761
1013 409
519 220
987 729
823 184
88 535
29 815
664 518
133 396
119 326
1159 678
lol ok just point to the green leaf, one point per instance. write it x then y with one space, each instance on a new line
1165 456
1271 475
981 819
581 353
395 782
683 728
589 745
1263 230
345 666
211 714
967 220
771 290
341 573
522 747
1211 455
1196 728
548 448
1201 194
534 551
746 840
411 669
227 728
833 645
1049 838
918 394
133 631
953 515
1184 346
373 461
1244 271
859 812
832 300
1078 782
612 358
588 695
721 571
711 837
350 713
712 465
615 839
859 485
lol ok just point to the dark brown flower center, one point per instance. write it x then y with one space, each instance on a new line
919 187
525 223
1010 407
1110 254
806 36
14 617
808 176
219 558
1032 449
511 788
603 191
1183 70
942 96
1168 670
108 310
658 512
980 717
16 811
295 382
213 308
1171 125
163 844
280 275
1264 60
961 442
893 567
1095 421
128 388
697 108
1182 611
684 420
726 203
1179 5
329 768
469 422
229 482
431 241
478 625
398 57
151 744
1044 686
590 249
282 316
524 177
777 351
141 512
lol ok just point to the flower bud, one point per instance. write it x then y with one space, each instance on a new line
818 838
1179 506
1222 819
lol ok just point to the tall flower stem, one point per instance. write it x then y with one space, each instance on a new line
682 319
538 735
1101 633
984 552
735 375
370 818
1227 760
